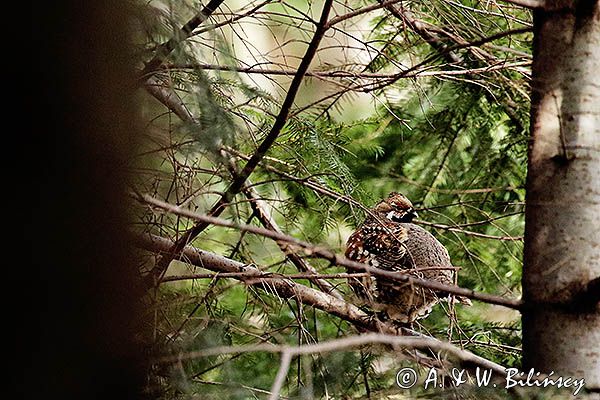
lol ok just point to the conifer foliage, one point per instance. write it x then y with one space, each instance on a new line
295 117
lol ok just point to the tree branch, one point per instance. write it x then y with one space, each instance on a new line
260 209
350 201
165 49
469 233
173 102
349 74
421 342
169 99
253 276
312 250
291 290
533 4
239 181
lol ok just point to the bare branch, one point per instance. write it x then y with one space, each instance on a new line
428 72
469 233
284 288
284 366
364 10
315 298
239 181
268 275
313 250
237 17
464 357
168 98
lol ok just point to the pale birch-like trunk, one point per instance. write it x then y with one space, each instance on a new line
561 318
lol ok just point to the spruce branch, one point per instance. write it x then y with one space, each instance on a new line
260 208
317 187
165 49
385 333
169 98
239 181
335 259
284 289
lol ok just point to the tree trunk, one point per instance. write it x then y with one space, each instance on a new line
561 320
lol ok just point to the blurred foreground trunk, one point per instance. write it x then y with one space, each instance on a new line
87 344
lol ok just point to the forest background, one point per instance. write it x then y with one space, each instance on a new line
267 128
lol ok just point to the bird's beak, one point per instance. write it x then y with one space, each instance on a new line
414 214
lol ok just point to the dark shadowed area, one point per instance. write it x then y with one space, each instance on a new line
86 345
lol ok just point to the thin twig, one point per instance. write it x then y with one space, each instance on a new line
338 73
239 181
350 201
284 367
533 4
312 250
260 208
469 233
422 342
269 275
165 49
312 297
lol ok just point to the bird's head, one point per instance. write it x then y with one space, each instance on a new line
396 208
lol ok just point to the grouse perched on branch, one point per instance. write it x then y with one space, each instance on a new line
387 240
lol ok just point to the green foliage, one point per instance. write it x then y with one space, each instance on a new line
456 147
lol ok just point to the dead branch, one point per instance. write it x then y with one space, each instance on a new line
239 181
308 276
291 290
469 233
312 250
422 342
425 72
169 99
462 357
273 275
253 276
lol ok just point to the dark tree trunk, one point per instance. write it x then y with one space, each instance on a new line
75 219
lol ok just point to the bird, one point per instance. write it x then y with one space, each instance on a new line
388 240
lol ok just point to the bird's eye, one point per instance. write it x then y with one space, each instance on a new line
402 216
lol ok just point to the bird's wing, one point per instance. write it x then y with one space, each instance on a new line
379 244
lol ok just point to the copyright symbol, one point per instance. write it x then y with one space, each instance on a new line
406 378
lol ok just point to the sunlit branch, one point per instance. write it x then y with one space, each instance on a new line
465 357
335 259
306 295
268 275
428 72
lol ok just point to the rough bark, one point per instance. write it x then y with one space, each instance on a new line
561 320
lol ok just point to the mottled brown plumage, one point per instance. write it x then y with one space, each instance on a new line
388 240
